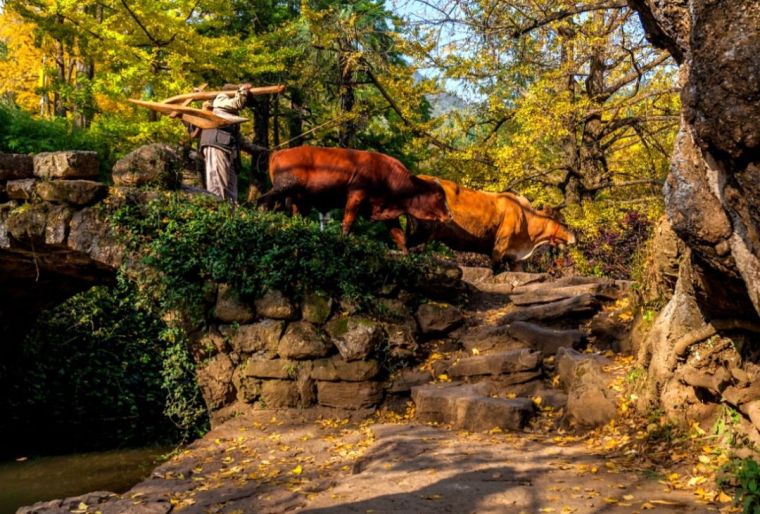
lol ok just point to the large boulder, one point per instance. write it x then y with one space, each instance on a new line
229 308
68 165
154 164
437 318
712 195
261 338
75 192
590 401
15 166
275 305
302 340
355 337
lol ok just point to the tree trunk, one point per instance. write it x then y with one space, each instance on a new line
295 118
712 195
59 107
571 186
593 163
347 100
260 159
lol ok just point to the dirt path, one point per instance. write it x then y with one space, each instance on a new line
289 461
279 463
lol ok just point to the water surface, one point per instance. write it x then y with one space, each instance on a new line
46 478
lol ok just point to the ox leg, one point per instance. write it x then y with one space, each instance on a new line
499 255
398 235
323 219
355 199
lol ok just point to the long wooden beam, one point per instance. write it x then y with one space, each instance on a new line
210 95
198 117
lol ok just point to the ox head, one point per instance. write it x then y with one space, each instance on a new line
556 231
428 201
559 234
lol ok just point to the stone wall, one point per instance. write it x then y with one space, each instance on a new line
275 353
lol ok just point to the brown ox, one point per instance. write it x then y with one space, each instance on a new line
502 225
370 183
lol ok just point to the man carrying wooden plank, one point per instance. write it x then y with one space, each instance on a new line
221 146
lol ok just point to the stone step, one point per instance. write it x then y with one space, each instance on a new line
476 275
546 340
551 293
577 306
519 278
513 361
489 338
466 407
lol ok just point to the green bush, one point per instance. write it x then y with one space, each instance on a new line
110 136
98 371
190 241
745 475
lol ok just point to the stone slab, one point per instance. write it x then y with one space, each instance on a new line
67 165
512 361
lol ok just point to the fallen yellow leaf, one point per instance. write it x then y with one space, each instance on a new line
297 470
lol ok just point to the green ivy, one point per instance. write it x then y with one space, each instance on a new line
189 241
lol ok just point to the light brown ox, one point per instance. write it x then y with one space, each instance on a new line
360 182
501 225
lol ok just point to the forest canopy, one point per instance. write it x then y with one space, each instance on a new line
562 101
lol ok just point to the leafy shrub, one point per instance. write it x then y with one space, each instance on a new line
607 246
612 252
744 474
111 136
189 241
98 371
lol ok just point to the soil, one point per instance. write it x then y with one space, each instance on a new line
264 464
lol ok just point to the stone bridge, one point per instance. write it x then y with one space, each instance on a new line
54 237
53 243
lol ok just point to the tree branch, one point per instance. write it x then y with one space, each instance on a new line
155 41
636 74
565 13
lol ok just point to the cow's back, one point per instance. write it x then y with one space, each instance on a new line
315 169
476 217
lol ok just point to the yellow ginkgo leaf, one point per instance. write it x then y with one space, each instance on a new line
297 470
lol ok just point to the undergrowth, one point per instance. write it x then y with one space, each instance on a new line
99 371
187 242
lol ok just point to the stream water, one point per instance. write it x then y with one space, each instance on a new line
46 478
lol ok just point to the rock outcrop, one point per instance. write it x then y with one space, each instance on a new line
712 195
